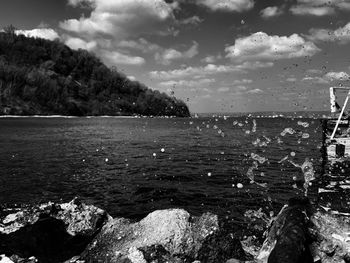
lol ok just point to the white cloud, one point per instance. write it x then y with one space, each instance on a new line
187 83
260 46
251 65
209 69
141 45
310 10
319 7
115 27
223 89
342 34
168 55
227 5
209 59
132 78
122 18
76 43
315 80
193 20
271 11
113 58
46 33
328 77
340 76
242 81
241 88
314 71
254 91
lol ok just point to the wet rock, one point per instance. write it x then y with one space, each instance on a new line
300 235
288 238
50 232
163 236
332 237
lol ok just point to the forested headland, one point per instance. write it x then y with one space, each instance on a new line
43 77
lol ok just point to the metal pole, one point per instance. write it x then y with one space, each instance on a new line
340 115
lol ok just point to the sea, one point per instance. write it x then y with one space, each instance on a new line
130 166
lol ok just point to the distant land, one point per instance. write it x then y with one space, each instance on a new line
275 114
42 77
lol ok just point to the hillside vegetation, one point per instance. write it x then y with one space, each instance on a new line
43 77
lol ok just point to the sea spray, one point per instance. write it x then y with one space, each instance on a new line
287 131
254 126
304 124
308 172
258 158
255 165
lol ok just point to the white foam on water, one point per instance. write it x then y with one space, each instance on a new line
258 158
305 135
283 159
250 172
287 131
304 124
254 126
322 190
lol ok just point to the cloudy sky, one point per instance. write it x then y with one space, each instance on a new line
216 55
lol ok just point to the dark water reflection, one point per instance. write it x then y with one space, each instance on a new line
118 163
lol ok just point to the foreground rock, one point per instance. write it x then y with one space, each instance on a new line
75 232
331 234
164 236
288 238
300 235
49 232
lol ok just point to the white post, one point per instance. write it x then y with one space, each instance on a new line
340 115
332 99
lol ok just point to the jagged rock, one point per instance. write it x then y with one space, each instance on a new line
50 232
4 259
288 238
163 236
332 237
300 235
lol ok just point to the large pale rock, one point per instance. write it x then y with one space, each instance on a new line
163 236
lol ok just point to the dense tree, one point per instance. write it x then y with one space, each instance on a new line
39 76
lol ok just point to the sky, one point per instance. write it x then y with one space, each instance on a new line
216 55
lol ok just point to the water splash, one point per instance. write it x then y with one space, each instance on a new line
261 143
308 171
283 159
258 158
254 126
287 131
305 135
304 124
250 172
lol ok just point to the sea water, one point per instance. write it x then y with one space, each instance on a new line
132 166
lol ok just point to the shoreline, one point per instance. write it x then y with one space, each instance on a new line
77 232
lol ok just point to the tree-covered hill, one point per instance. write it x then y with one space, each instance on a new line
43 77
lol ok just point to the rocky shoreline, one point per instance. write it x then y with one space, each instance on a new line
76 232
